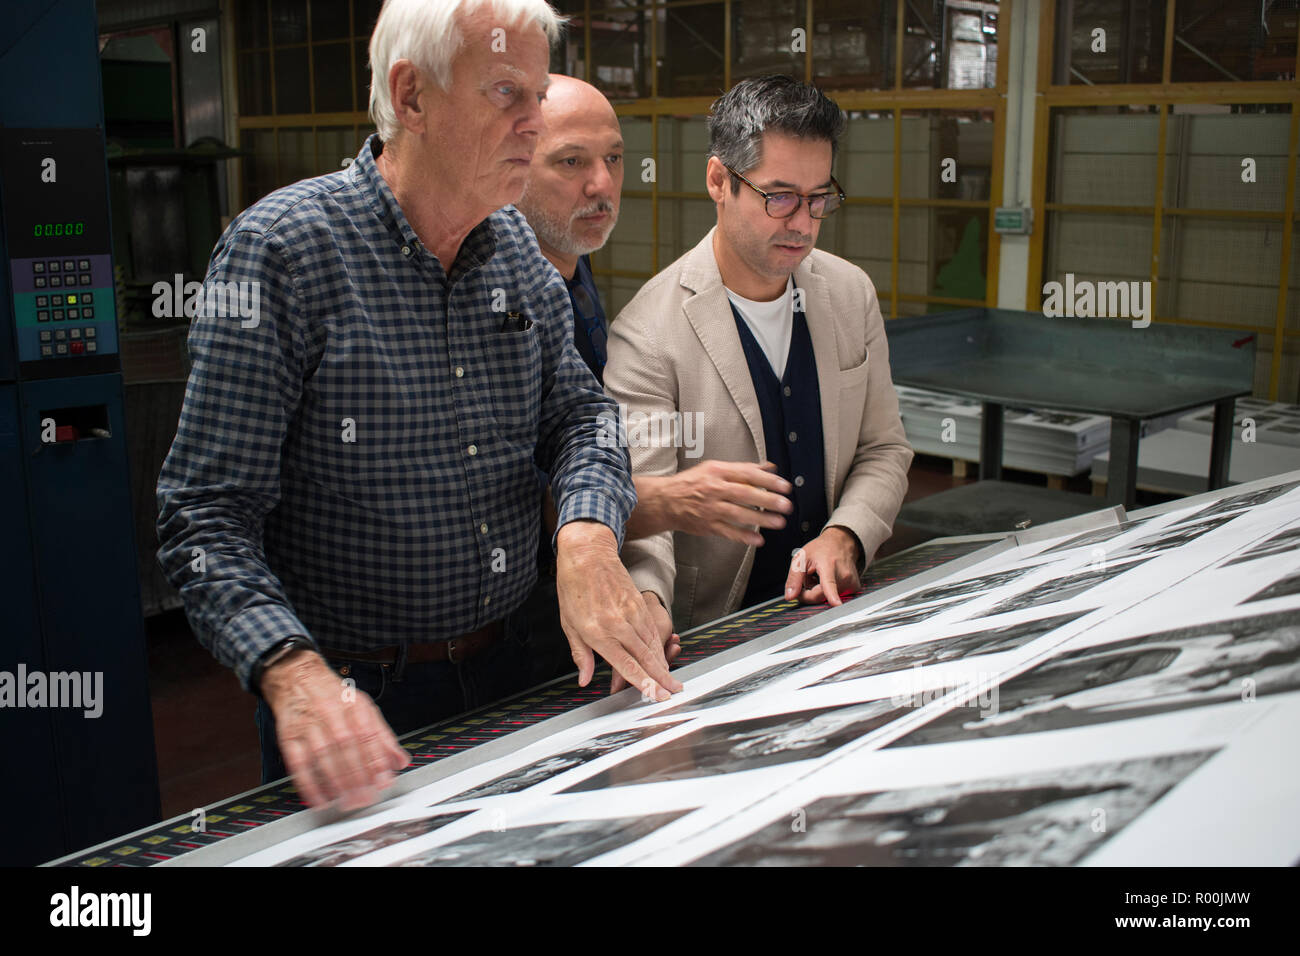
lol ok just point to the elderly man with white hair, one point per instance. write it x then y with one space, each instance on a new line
350 508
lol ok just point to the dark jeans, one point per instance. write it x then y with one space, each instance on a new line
531 651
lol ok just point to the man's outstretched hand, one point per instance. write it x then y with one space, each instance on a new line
335 742
663 626
825 568
603 613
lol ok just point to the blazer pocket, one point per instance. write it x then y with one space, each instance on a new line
857 375
684 596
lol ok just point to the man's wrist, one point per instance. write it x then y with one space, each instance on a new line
279 652
851 539
584 533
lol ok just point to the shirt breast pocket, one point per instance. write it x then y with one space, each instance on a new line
515 358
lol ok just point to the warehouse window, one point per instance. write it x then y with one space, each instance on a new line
1171 159
303 86
918 80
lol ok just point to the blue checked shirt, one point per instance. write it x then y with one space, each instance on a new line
364 463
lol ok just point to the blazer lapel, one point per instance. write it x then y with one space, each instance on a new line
709 313
821 327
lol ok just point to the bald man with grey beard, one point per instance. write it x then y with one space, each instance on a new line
571 201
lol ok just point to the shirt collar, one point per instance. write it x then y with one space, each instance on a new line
478 246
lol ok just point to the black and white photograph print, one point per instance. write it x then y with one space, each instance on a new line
556 764
1096 536
1282 587
956 589
1281 543
943 649
1172 537
748 744
1239 502
1171 670
1063 588
747 684
399 831
566 843
1048 818
877 622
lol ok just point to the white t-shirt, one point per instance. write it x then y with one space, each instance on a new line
771 323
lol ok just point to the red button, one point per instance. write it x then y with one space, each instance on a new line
76 348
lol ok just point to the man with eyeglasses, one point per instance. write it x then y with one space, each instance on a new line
572 203
780 349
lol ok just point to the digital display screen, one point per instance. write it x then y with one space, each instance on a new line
59 230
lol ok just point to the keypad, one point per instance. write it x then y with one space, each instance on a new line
61 273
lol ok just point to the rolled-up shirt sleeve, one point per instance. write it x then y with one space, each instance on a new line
222 475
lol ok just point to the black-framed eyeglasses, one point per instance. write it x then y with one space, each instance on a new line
783 205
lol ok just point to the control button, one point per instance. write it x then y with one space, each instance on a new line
58 315
72 299
61 349
54 266
47 350
798 481
90 332
60 334
42 301
472 449
85 279
74 313
87 298
87 313
40 282
45 335
58 300
787 391
794 436
78 348
42 315
803 526
38 267
54 281
83 264
74 333
92 346
68 265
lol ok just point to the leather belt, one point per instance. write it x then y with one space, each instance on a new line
454 651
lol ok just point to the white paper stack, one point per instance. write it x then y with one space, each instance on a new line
1047 442
1276 423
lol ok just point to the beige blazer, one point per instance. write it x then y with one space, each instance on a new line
675 348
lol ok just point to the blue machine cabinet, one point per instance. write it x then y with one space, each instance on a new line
75 722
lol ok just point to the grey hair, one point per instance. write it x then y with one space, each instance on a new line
774 103
427 32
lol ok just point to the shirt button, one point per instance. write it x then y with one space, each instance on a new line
406 250
787 391
487 601
798 481
460 372
472 449
794 437
483 528
804 526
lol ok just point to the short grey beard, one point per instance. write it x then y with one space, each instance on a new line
556 234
